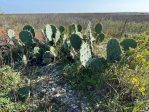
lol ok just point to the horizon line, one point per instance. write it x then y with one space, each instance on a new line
74 12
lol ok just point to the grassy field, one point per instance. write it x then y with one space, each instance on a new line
93 62
136 22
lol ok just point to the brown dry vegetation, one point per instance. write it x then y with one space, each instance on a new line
113 23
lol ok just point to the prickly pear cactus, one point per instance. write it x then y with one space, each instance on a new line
100 37
73 29
79 27
44 32
99 34
26 38
53 51
62 29
23 93
29 28
49 32
57 36
65 45
97 64
11 34
128 43
85 54
54 29
75 41
113 51
90 36
98 28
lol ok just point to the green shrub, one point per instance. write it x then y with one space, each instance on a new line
9 79
85 78
10 82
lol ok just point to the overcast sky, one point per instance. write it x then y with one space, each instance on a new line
73 6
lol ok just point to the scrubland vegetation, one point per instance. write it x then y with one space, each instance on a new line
78 63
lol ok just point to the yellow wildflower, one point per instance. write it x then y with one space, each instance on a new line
139 56
147 63
135 81
142 90
143 60
146 51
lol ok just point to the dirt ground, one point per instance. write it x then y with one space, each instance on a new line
4 36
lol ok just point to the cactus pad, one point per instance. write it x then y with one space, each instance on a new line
100 37
29 28
27 38
75 41
127 43
98 28
79 28
113 50
11 34
62 29
85 54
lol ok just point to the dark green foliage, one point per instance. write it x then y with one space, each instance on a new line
29 28
98 28
127 43
65 47
23 93
27 38
37 54
100 37
84 79
47 57
79 28
97 64
43 47
75 41
113 51
62 29
17 53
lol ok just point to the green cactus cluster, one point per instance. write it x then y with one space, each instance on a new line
71 41
99 34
